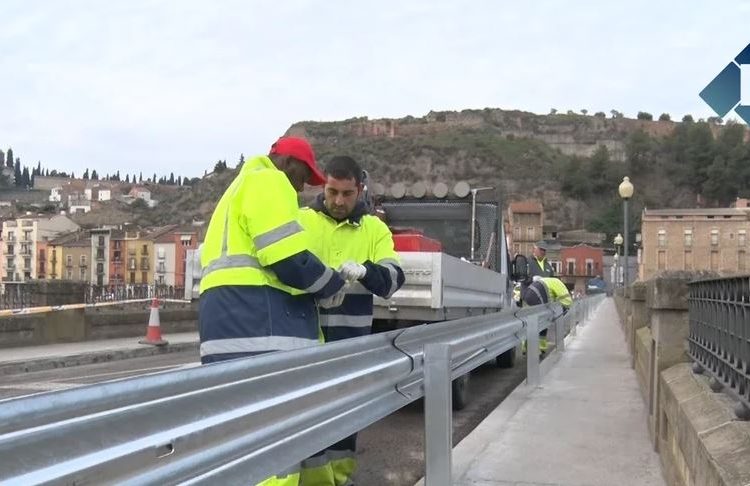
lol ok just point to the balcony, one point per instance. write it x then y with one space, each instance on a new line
10 250
144 266
100 256
25 251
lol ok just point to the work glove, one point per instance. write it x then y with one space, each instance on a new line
335 300
352 271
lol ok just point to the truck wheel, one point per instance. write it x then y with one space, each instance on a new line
460 387
507 359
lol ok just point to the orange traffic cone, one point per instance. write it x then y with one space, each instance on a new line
153 332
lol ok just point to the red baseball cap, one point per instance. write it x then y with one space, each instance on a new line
300 149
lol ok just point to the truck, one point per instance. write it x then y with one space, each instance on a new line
468 274
454 255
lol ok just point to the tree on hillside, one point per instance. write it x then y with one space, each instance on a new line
2 159
665 117
39 167
86 174
687 119
642 115
584 112
637 151
615 114
241 162
715 120
25 178
94 175
140 178
154 179
171 179
46 173
9 158
553 111
600 114
179 180
127 178
17 172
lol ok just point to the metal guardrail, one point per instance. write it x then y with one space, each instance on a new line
719 340
121 292
241 421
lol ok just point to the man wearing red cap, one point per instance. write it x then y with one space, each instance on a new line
260 283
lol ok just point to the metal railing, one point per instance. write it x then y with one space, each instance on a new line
240 421
17 295
122 292
719 340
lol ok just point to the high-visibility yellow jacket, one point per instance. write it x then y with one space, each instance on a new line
361 238
259 279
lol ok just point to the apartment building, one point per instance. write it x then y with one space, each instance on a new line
695 239
527 222
70 257
580 263
24 245
170 249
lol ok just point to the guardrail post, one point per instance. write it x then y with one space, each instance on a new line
438 419
533 377
560 333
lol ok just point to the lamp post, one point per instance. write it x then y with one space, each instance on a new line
617 241
474 216
626 192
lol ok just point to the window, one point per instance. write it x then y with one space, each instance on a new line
662 238
10 249
26 263
101 241
530 233
83 260
11 236
714 237
688 238
99 268
117 256
160 252
662 260
161 279
742 261
589 267
69 260
571 266
556 266
83 274
516 248
144 277
516 233
69 274
741 238
42 255
688 261
132 277
145 250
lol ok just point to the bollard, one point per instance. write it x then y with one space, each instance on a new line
533 377
438 423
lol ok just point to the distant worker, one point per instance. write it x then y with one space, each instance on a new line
540 267
360 245
541 290
538 264
260 282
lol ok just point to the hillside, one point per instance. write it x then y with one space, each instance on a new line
572 163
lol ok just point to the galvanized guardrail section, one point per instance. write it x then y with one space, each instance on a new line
241 421
719 340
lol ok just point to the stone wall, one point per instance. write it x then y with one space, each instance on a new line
93 323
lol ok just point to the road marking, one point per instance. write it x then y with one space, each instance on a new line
123 372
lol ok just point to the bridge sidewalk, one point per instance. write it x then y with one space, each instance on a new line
585 425
50 356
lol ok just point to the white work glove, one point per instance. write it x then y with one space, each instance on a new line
352 271
537 278
335 300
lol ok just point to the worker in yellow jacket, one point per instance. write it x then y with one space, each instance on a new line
260 282
541 290
345 236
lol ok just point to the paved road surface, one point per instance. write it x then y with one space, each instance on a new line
390 450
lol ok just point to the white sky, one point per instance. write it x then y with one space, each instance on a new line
173 86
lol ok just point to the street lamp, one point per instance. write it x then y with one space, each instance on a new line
474 216
626 192
617 241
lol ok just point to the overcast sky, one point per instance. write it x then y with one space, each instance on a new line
170 86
